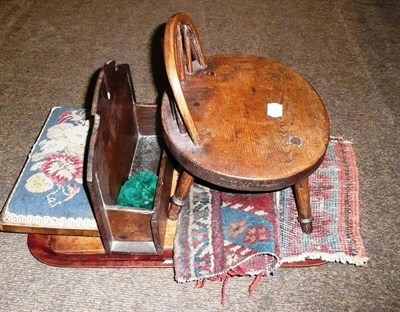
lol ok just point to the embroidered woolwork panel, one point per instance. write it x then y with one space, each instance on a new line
49 191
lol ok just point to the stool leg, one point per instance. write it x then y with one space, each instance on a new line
302 193
179 198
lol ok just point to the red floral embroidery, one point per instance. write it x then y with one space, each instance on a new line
61 168
65 116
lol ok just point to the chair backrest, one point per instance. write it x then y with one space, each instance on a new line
183 56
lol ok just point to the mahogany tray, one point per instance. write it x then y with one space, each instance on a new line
88 252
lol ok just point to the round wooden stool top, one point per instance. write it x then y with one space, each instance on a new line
262 126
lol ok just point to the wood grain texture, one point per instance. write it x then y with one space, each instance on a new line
244 148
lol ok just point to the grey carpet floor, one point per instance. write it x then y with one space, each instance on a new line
349 51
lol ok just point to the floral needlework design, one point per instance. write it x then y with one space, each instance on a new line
50 189
58 165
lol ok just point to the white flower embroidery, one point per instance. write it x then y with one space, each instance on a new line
75 149
52 146
58 131
62 137
38 183
77 135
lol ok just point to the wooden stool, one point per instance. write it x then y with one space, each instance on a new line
242 122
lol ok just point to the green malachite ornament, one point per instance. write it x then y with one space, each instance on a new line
138 191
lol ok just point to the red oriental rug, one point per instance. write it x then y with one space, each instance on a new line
225 234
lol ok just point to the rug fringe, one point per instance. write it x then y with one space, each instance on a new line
235 270
335 257
255 282
224 279
340 139
200 283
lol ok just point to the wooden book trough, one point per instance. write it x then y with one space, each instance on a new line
123 142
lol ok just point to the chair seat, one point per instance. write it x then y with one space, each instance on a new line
245 146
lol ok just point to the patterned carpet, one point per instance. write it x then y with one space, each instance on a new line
227 234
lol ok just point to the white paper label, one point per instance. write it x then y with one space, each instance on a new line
275 110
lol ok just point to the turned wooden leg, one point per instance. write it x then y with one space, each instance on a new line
302 193
179 198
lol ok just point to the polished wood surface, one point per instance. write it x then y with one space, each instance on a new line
63 244
181 48
87 252
4 227
244 148
219 126
179 197
124 140
302 195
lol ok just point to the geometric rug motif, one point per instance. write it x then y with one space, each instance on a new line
222 234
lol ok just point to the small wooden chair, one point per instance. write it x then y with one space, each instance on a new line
241 122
